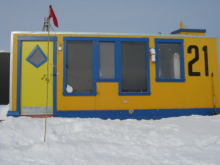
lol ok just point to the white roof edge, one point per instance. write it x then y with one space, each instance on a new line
4 51
122 34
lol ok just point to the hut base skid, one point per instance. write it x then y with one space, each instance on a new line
116 76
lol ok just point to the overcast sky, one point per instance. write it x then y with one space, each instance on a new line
117 16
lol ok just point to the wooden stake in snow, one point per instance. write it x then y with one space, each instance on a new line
213 94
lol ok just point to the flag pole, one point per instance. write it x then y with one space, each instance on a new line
50 15
47 79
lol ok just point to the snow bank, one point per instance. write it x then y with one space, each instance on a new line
193 140
3 111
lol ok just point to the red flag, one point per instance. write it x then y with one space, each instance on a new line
52 14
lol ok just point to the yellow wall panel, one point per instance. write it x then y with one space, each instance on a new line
14 74
191 33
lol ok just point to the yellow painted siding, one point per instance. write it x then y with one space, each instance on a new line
191 33
14 74
33 88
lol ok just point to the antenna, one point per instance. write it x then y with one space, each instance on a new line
46 24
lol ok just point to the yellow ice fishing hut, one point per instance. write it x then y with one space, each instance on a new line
115 76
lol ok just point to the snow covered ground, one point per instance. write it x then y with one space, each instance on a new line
192 140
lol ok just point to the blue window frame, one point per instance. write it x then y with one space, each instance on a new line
134 67
169 60
106 61
37 57
83 79
113 46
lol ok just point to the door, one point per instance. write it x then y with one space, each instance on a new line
34 61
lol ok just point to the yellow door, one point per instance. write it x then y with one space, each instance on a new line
34 60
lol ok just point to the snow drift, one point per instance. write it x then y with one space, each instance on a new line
192 140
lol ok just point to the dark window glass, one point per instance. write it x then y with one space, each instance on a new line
134 67
37 57
107 60
80 66
169 61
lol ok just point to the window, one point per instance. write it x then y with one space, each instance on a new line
133 67
37 57
106 60
88 60
79 66
170 61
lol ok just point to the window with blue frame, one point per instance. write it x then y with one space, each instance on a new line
79 66
88 60
133 67
169 60
106 60
37 57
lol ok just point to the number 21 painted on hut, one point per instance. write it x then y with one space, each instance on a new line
194 60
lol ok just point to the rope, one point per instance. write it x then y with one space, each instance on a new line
47 79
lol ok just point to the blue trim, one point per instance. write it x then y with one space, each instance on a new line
189 30
95 61
107 80
104 39
31 38
119 66
95 67
64 66
80 94
170 80
148 69
159 40
98 65
138 114
18 109
134 93
32 53
117 60
181 42
13 113
35 38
